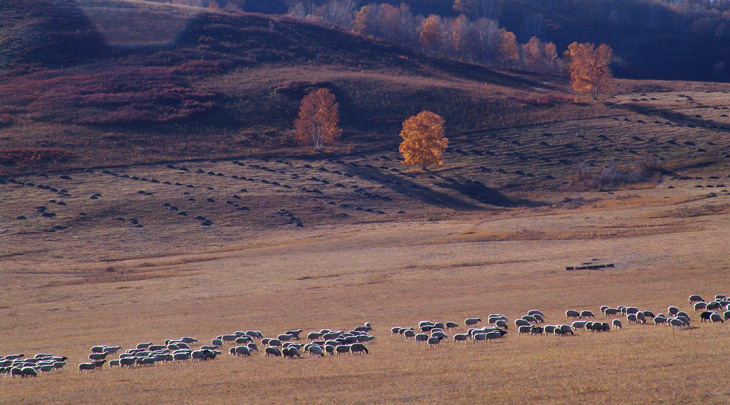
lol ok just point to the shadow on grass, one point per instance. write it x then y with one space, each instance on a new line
674 116
475 193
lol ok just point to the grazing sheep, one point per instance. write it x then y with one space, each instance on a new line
291 352
144 345
460 337
243 339
684 314
479 336
726 314
677 323
340 349
534 312
358 348
217 342
331 335
571 313
612 312
317 335
700 305
549 329
28 372
284 337
433 341
451 325
536 330
189 340
578 324
521 322
409 333
502 324
421 337
695 298
705 316
586 314
604 308
672 310
275 342
45 368
660 319
273 351
524 329
617 323
182 356
566 329
539 318
130 361
493 319
472 321
439 334
715 317
294 333
97 356
87 366
632 310
640 318
97 349
529 318
242 351
114 363
720 297
631 318
315 350
711 306
494 335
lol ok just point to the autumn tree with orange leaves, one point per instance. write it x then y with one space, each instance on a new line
423 140
589 67
318 118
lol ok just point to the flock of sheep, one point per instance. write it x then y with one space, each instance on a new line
243 343
17 365
532 323
327 341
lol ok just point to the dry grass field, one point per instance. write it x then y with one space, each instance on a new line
382 243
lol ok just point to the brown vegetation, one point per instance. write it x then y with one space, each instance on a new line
645 168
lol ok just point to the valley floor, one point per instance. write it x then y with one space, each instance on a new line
64 292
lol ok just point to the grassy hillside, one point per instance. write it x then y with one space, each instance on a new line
230 85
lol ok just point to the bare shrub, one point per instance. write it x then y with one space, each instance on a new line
645 168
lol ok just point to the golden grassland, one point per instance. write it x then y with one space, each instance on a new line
441 251
391 273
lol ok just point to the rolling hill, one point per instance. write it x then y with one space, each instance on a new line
215 84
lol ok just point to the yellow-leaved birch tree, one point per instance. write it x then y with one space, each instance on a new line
318 119
589 67
423 140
